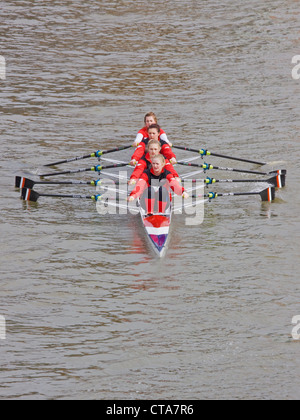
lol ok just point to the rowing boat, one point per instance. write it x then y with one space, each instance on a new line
157 228
156 225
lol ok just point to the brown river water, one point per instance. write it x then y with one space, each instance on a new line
88 312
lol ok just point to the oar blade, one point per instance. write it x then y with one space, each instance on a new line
28 194
268 194
21 182
278 172
278 181
90 155
18 181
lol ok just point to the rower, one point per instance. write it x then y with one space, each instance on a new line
149 119
153 149
153 134
154 187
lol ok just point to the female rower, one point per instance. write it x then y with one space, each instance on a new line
149 119
153 149
154 187
153 134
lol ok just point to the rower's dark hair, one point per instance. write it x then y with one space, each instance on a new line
154 126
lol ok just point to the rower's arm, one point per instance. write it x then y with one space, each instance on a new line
164 137
138 139
176 186
139 189
138 170
168 152
139 152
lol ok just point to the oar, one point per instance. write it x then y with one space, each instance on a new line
277 180
207 166
97 168
94 154
267 194
21 182
30 195
204 152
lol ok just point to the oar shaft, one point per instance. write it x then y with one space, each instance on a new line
21 182
238 159
66 195
204 152
276 180
74 182
68 160
215 195
244 171
207 166
66 172
94 154
97 168
213 181
230 194
116 149
241 180
268 194
28 194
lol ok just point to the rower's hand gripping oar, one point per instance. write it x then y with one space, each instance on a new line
97 154
97 168
268 194
204 152
207 166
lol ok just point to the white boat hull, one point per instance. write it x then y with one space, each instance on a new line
157 227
